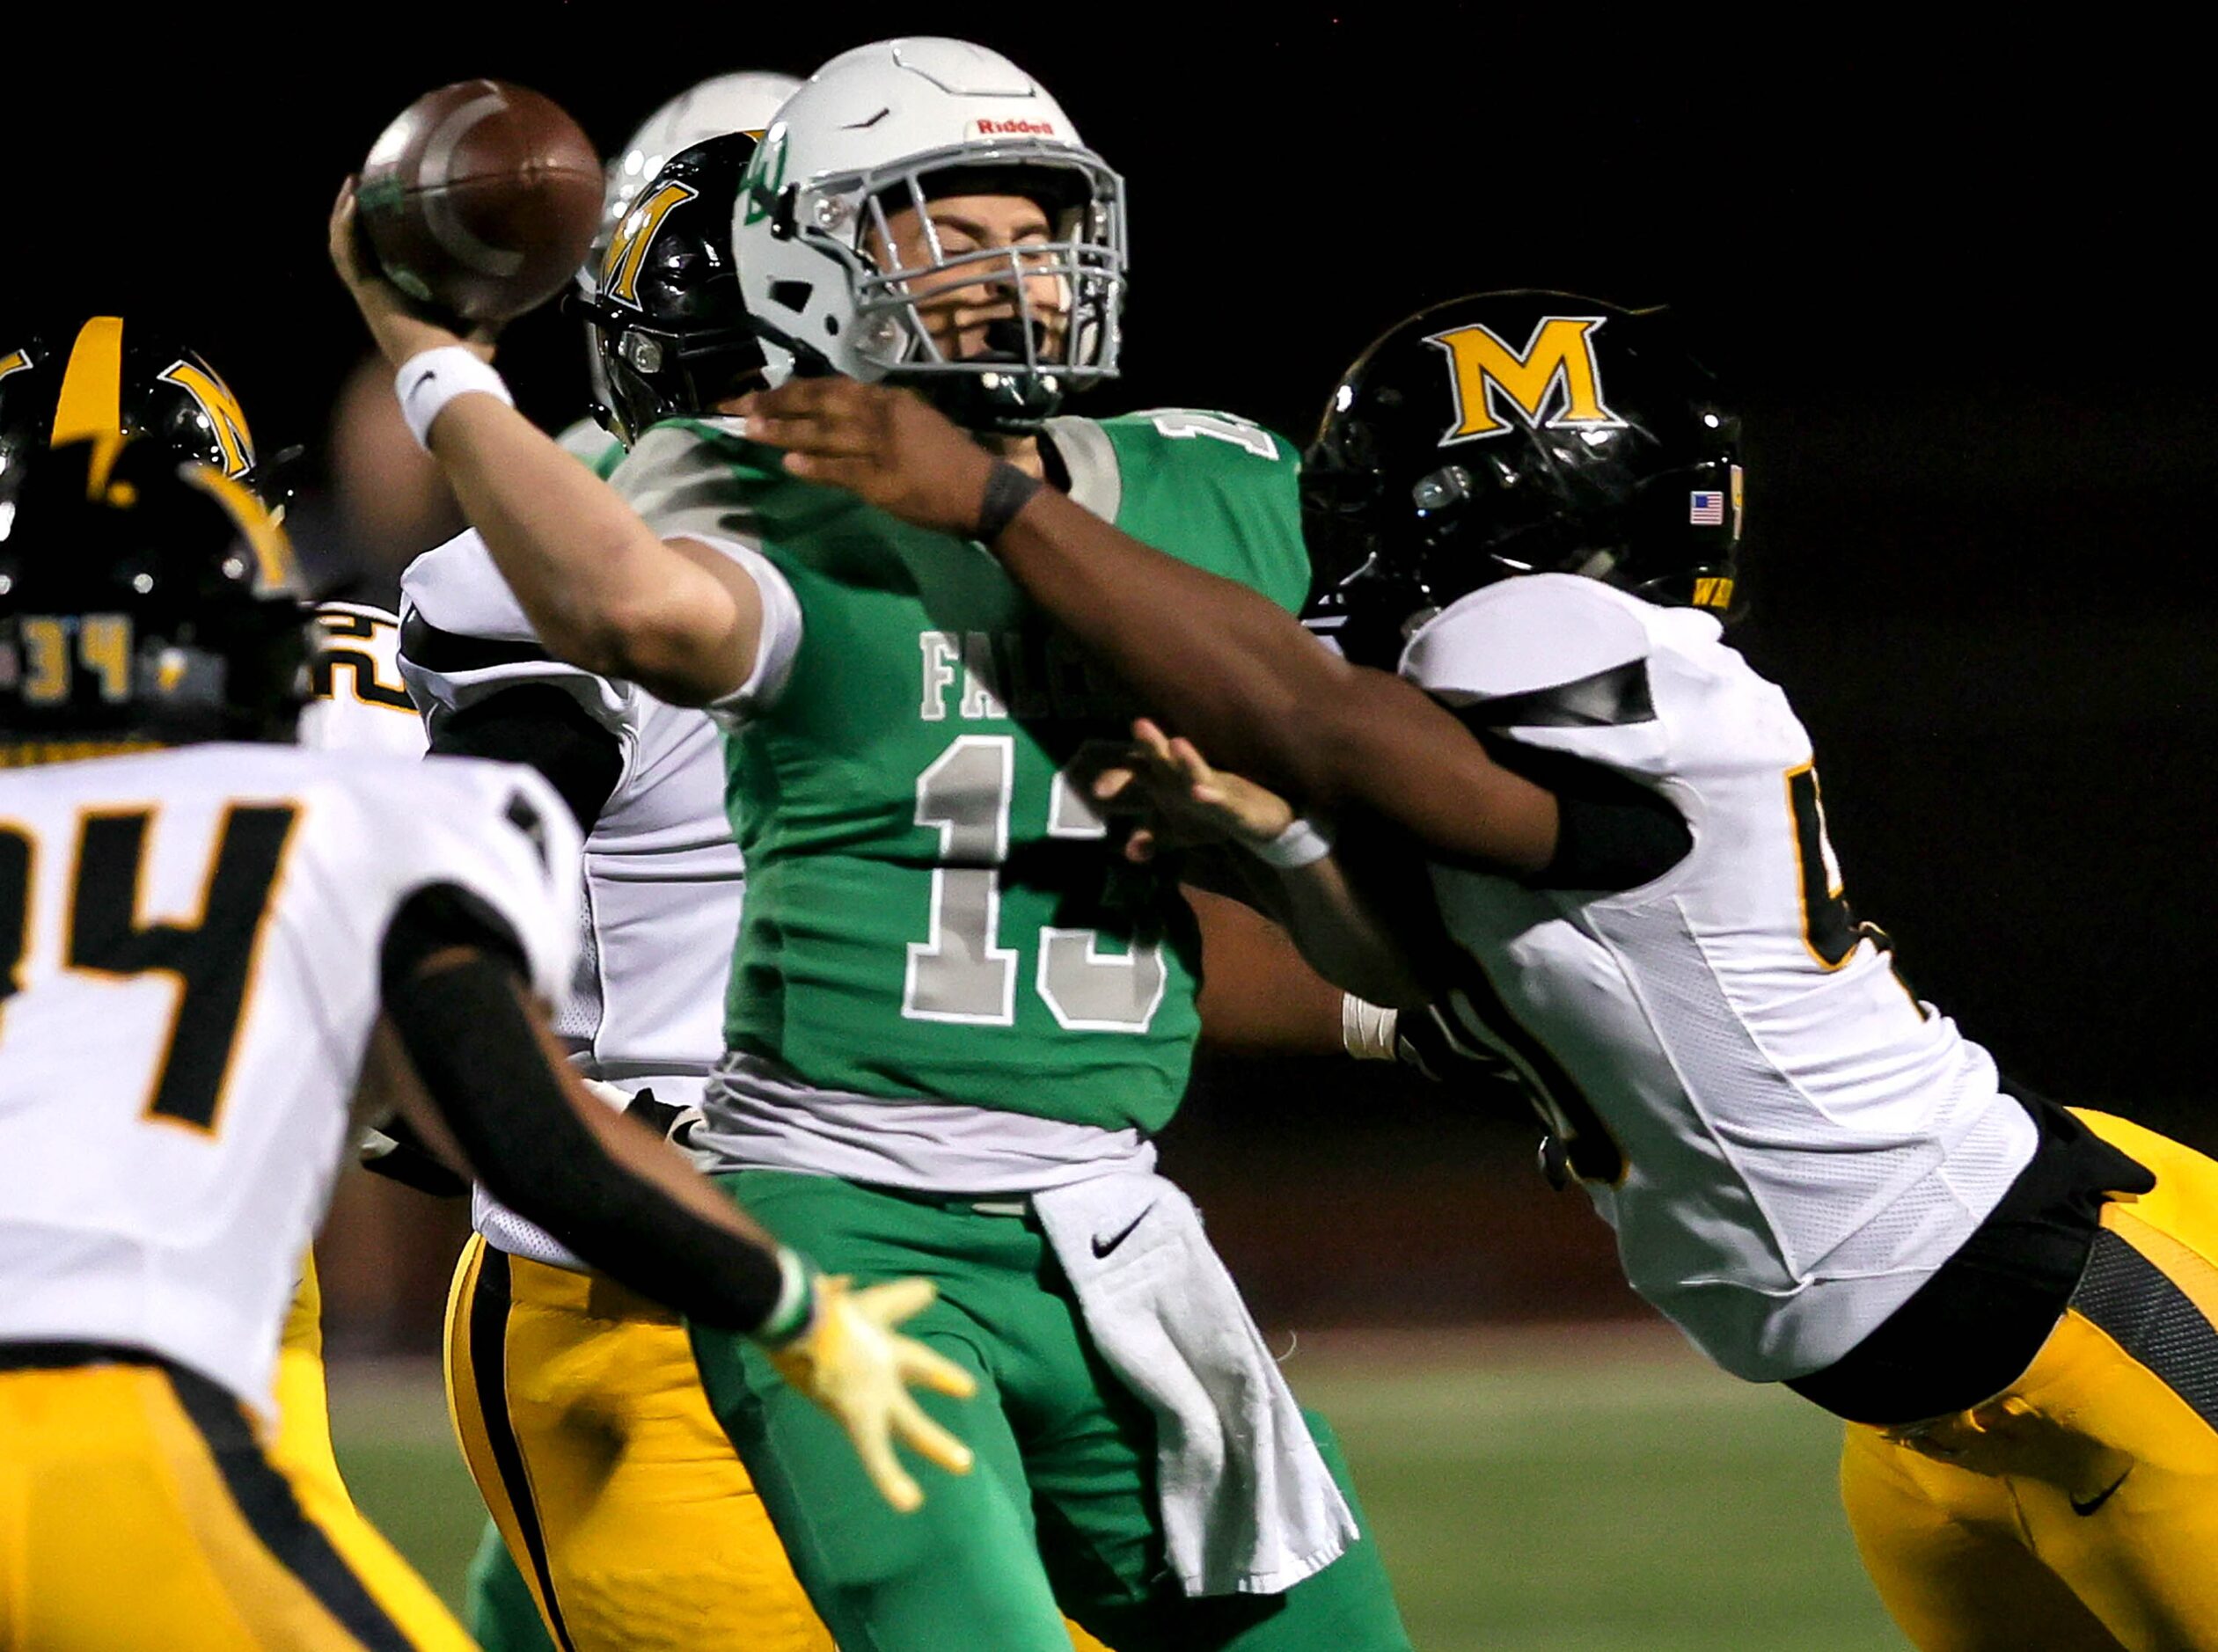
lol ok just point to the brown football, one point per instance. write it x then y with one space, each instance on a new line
481 199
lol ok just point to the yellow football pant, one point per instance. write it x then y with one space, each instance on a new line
138 1509
2077 1512
583 1422
304 1405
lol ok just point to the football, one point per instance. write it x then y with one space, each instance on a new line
480 200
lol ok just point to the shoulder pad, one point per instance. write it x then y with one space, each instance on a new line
500 830
1533 634
692 478
358 699
1182 424
591 446
457 588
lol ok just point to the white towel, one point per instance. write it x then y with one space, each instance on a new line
1248 1504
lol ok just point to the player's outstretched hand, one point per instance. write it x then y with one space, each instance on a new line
888 447
1180 801
851 1361
399 328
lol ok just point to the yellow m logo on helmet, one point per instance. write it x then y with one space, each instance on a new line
620 267
226 418
1554 382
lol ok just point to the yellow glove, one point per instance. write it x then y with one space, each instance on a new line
851 1361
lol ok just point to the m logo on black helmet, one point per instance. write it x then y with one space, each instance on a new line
628 252
226 419
1554 383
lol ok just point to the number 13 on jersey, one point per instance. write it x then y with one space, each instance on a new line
962 971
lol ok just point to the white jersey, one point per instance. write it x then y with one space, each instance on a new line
1786 1142
360 703
182 1033
659 898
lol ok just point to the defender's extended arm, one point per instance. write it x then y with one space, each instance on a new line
1228 665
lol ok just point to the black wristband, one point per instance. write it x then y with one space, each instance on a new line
1007 490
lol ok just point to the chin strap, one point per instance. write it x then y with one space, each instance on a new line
999 403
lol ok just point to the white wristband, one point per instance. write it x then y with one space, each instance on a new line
1303 844
428 380
1366 1031
797 1306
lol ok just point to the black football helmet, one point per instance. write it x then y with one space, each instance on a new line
102 378
1517 433
143 601
665 319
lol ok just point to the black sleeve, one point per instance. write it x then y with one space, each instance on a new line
1612 833
537 724
476 1050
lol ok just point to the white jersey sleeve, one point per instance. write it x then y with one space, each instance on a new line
360 703
1787 1142
200 977
657 904
464 638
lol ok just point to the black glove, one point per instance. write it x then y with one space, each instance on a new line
675 1125
1428 1041
394 1150
1425 1038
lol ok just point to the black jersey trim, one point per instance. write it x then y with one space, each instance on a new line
2129 1299
450 653
70 1355
1612 832
436 918
543 728
1973 1329
265 1500
489 1303
1613 698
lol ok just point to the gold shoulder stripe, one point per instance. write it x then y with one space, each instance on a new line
14 362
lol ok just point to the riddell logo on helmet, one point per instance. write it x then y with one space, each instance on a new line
1017 127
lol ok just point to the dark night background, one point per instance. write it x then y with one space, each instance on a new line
1960 279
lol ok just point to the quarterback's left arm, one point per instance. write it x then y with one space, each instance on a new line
1228 665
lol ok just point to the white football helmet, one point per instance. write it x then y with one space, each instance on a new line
895 125
742 102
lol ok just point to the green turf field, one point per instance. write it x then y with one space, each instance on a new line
1592 1492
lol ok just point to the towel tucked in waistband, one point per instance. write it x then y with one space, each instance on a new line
1248 1504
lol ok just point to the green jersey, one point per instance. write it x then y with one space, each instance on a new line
932 909
592 447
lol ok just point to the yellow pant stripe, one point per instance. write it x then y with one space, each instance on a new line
266 1511
2074 1511
220 1551
477 1403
